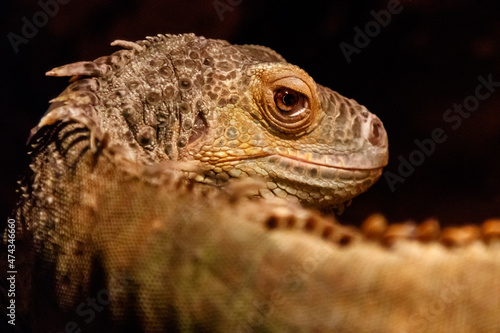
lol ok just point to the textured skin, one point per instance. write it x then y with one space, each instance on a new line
190 98
120 213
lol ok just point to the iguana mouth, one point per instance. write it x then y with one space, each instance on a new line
341 164
367 160
318 174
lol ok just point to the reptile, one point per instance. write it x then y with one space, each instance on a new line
176 185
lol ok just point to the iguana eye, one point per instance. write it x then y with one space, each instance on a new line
294 110
286 99
290 102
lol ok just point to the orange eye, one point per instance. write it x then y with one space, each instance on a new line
290 102
291 112
287 100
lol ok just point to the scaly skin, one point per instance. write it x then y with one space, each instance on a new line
120 229
190 98
174 255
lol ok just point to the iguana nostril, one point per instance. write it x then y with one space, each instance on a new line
377 135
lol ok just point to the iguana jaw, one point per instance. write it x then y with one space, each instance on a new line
316 173
315 184
302 176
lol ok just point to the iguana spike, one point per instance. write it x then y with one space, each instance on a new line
128 45
77 98
86 68
491 230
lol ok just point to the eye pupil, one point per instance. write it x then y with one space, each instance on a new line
286 100
289 99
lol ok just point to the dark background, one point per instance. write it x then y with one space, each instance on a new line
424 61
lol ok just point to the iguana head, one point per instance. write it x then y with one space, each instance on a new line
238 111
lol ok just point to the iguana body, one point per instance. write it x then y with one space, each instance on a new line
122 229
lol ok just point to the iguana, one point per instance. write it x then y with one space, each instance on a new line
155 204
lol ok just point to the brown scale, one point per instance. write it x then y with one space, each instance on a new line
146 136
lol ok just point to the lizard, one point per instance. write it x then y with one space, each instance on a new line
235 110
132 220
